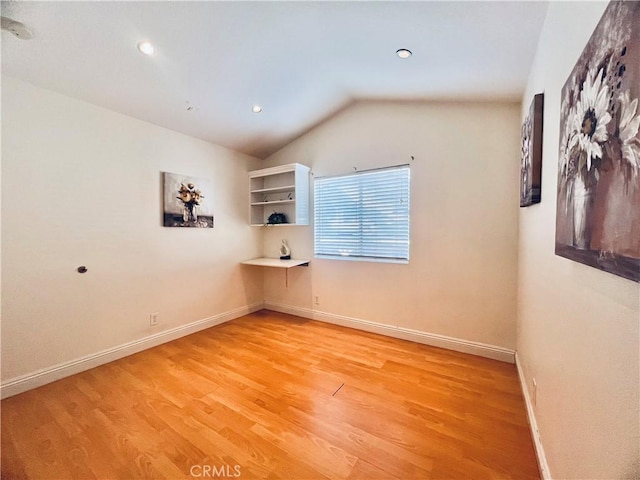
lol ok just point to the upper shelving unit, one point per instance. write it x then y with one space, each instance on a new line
286 188
282 189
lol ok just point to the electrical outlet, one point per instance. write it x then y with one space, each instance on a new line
534 393
153 319
316 300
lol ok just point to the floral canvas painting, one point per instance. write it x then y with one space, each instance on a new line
598 203
531 153
187 201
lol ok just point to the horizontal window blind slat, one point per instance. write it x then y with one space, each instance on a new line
363 215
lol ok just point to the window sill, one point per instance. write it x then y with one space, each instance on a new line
362 259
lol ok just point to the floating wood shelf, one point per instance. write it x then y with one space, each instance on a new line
276 262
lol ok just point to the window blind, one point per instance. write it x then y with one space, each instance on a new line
364 215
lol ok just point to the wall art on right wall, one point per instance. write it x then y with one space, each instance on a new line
598 202
531 150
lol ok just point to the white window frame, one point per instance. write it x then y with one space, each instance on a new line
372 223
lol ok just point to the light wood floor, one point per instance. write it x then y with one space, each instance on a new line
279 397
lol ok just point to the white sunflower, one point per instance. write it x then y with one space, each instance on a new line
567 142
629 125
591 118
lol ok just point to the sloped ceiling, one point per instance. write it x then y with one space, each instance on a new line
301 61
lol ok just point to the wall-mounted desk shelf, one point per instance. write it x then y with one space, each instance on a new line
277 263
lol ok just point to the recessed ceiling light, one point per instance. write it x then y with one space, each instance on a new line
256 109
146 48
404 53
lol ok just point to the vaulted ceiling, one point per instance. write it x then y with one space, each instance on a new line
300 61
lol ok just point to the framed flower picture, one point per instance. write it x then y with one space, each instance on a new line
531 153
187 201
598 201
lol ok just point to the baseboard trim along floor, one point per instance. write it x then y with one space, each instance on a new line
434 340
543 466
30 381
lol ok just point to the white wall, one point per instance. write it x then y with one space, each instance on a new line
577 326
81 185
461 279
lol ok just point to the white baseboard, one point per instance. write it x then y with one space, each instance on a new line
450 343
543 466
23 383
291 310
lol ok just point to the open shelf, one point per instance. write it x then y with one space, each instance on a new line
286 188
276 262
275 202
283 189
274 225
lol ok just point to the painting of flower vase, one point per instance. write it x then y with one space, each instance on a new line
187 201
531 153
598 202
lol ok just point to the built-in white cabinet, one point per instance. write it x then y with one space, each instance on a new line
283 189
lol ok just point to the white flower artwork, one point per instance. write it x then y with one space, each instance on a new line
629 124
598 201
590 118
531 153
187 201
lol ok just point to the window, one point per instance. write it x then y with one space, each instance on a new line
363 216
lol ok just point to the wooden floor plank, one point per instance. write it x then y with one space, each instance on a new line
273 396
